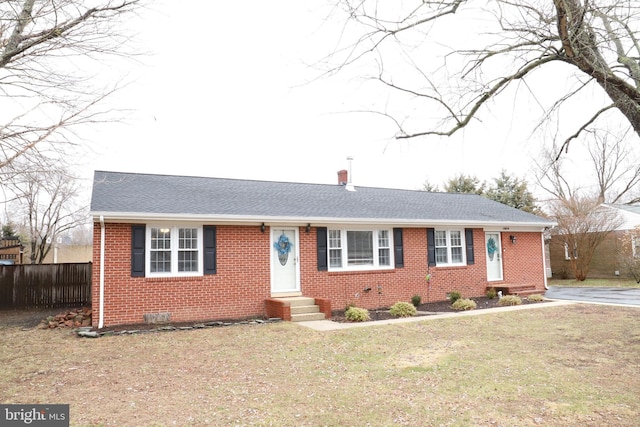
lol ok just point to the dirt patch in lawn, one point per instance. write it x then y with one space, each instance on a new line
429 309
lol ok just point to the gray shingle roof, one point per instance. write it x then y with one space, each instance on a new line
133 195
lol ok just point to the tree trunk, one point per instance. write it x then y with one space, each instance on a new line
580 48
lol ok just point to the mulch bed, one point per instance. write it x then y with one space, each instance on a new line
33 318
426 309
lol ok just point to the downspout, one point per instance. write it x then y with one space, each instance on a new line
544 262
102 234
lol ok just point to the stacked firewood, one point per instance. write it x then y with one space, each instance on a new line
68 319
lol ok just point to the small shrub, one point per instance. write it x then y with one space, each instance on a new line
355 314
349 306
454 296
416 300
402 309
510 300
535 298
492 293
464 304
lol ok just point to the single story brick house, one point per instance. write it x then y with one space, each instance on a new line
194 248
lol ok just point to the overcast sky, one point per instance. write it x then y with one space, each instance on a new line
228 92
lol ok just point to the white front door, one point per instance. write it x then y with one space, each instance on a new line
284 260
494 256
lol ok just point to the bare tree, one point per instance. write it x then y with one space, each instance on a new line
47 49
616 167
46 201
612 176
458 71
583 223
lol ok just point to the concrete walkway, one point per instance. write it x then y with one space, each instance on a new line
328 325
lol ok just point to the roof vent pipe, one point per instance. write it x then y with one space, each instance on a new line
349 186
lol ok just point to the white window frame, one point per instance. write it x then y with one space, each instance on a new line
338 245
449 247
635 246
567 256
175 233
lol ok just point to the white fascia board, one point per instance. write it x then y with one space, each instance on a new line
137 217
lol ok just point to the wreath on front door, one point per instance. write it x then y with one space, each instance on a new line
491 248
283 246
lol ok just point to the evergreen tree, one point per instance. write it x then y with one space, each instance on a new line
462 183
512 191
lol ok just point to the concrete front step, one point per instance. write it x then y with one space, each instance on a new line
304 317
302 309
298 301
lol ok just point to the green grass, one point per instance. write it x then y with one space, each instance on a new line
570 365
595 283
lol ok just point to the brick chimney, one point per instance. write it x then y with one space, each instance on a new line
342 177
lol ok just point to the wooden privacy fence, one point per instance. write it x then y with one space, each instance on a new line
45 285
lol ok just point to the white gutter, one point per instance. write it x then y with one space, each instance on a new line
102 233
134 217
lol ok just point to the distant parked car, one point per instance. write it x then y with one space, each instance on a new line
7 262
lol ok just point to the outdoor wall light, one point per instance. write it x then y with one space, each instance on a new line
367 289
513 239
262 227
308 228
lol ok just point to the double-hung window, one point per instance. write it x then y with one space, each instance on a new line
359 249
449 247
174 250
570 254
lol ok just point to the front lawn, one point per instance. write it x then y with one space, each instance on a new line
571 365
595 283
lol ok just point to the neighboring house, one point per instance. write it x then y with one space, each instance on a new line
11 251
68 253
605 263
193 248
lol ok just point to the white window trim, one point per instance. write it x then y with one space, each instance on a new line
345 251
449 247
567 256
174 251
635 244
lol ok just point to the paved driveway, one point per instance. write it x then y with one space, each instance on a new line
624 296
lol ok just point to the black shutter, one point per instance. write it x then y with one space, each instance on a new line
468 237
322 248
398 252
138 237
209 247
431 246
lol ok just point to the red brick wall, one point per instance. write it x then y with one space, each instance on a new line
522 263
238 290
242 283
